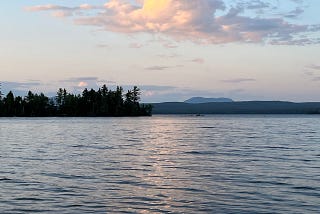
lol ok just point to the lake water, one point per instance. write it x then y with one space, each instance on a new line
161 164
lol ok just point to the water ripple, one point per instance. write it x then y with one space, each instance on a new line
167 164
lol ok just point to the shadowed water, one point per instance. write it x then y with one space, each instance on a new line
162 164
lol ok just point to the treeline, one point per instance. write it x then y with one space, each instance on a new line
91 103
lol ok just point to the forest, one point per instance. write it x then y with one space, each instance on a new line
90 103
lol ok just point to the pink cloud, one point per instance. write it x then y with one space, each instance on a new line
197 21
44 7
82 84
61 11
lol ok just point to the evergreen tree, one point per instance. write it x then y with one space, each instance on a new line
103 102
9 104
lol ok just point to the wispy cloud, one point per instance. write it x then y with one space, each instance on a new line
157 68
167 56
197 21
297 1
62 11
20 88
135 45
312 72
294 13
162 67
103 46
198 60
169 45
314 67
239 80
19 85
77 84
254 5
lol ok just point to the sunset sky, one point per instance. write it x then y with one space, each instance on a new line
171 49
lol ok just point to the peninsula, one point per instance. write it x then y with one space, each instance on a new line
91 103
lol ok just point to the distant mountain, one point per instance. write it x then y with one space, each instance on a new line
249 107
196 100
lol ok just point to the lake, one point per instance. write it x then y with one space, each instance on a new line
160 164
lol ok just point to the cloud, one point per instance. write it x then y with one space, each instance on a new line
135 45
197 21
19 85
294 13
198 60
157 68
169 45
158 93
254 5
162 67
156 87
297 1
103 46
62 11
314 67
81 79
312 72
239 80
46 7
316 79
102 81
308 73
86 79
170 56
19 88
77 84
82 84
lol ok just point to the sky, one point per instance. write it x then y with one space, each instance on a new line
171 49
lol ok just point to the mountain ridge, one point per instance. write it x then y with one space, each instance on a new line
198 100
239 107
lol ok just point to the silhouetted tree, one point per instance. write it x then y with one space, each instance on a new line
1 92
9 104
1 102
103 102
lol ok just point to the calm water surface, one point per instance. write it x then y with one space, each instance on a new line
162 164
